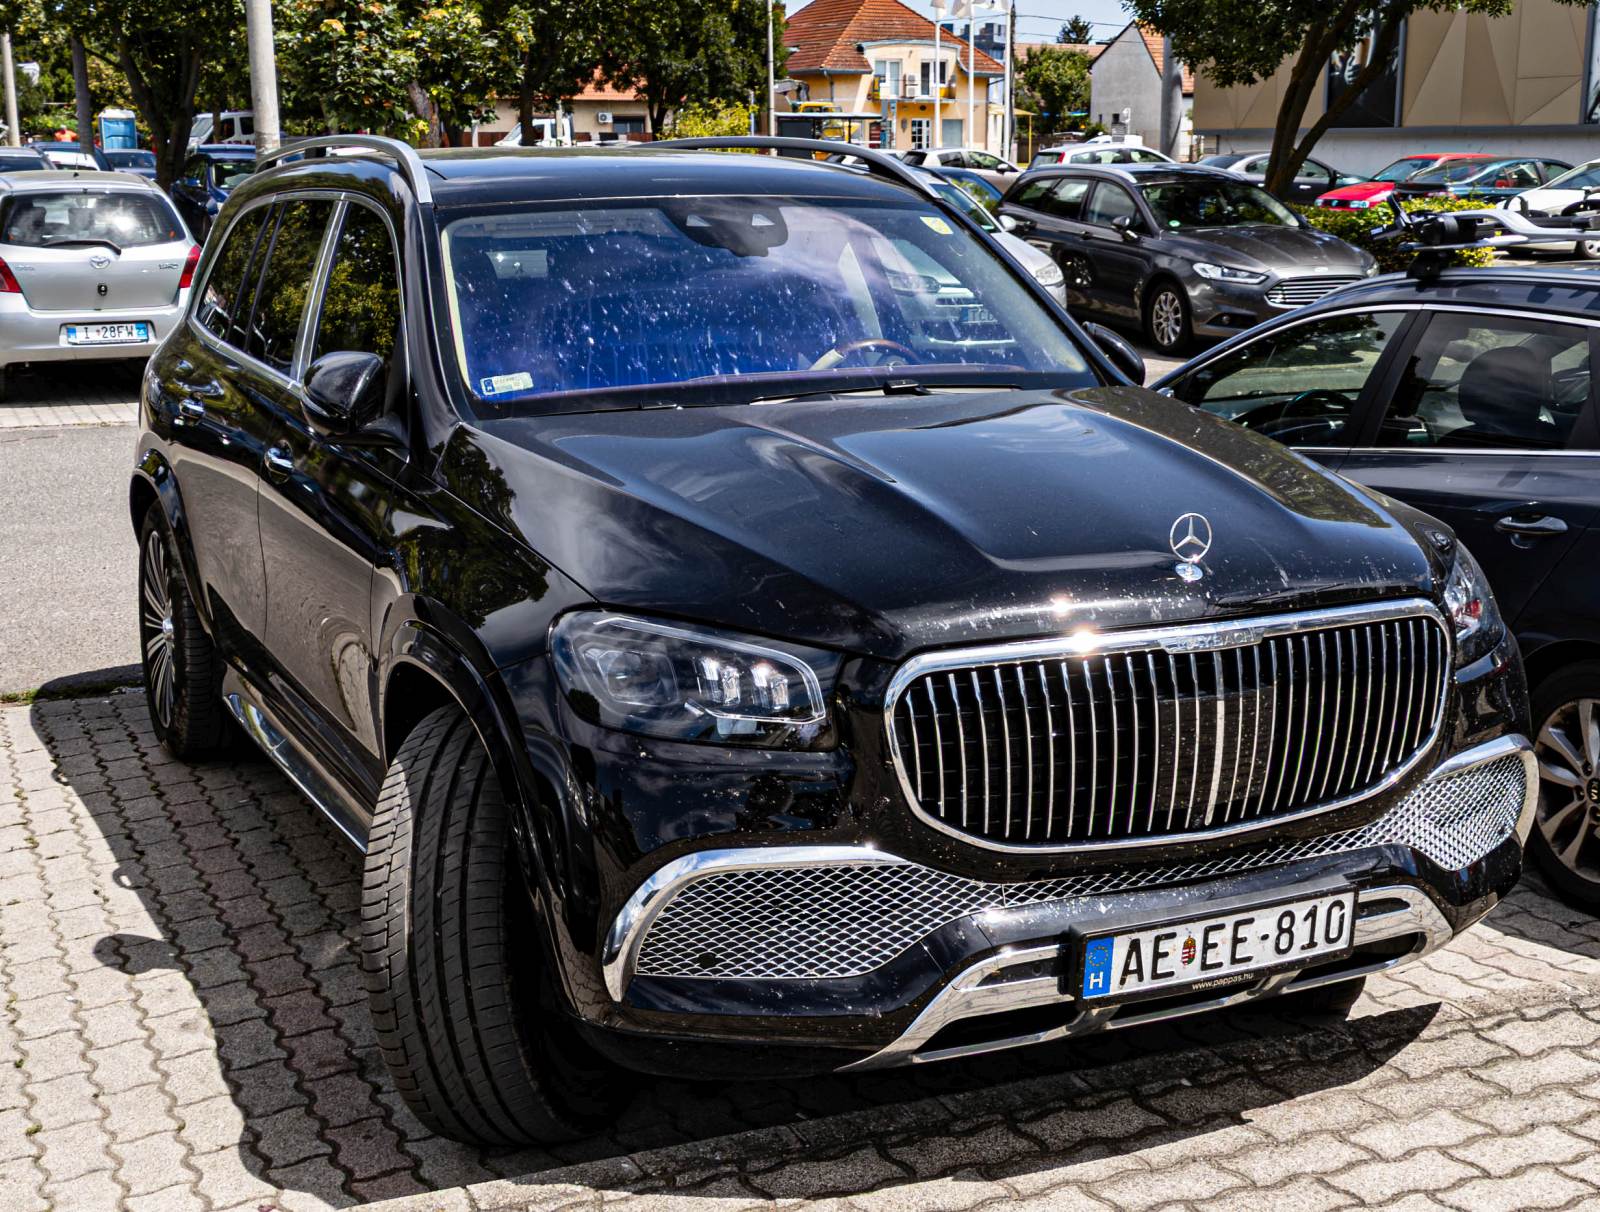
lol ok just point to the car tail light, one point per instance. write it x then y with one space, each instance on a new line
8 281
189 263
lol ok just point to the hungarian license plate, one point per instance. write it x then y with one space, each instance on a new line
1217 950
107 334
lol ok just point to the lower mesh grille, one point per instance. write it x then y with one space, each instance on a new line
820 922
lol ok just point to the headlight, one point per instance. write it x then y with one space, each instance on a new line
1473 614
686 684
1227 273
1049 274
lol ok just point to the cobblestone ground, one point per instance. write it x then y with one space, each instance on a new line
87 393
185 1028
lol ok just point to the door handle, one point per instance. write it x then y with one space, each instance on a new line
192 406
1543 526
278 459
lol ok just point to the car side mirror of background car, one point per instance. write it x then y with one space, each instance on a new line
1009 222
1127 227
1117 351
344 391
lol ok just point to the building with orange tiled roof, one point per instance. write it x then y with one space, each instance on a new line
878 57
1126 87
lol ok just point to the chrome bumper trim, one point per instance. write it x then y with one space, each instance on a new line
633 922
976 992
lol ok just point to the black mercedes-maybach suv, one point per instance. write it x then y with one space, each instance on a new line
749 628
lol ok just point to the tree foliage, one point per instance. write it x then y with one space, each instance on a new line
1057 81
1076 30
705 120
343 65
677 53
1243 42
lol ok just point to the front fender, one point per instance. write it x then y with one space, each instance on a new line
153 478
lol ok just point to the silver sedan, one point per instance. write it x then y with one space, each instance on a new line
93 265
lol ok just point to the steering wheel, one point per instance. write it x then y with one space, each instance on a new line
843 351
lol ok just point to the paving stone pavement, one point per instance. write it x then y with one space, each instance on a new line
72 394
186 1028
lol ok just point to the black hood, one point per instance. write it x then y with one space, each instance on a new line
1289 251
885 525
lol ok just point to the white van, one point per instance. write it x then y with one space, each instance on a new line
237 126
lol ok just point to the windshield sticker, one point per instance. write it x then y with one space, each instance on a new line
937 224
496 385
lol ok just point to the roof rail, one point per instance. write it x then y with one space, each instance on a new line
1434 235
880 165
404 155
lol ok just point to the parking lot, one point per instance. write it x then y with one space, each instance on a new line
187 1026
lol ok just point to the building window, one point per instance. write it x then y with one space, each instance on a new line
921 133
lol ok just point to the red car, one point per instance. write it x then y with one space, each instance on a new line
1371 193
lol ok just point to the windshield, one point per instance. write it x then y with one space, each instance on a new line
1471 170
22 164
958 197
1208 202
1399 170
131 159
753 297
45 219
228 173
1585 176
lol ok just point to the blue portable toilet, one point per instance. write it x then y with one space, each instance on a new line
118 129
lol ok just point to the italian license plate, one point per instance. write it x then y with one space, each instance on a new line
1218 950
107 334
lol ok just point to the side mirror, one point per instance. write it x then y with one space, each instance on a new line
344 391
1117 351
1125 225
1009 222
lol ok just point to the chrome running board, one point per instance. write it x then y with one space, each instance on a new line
298 768
981 990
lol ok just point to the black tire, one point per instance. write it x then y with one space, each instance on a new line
1167 320
456 983
1565 841
1336 999
182 668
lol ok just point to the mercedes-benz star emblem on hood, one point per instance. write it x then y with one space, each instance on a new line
1190 539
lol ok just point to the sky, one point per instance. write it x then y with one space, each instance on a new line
1039 20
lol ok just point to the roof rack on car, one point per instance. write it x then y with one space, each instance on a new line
1434 235
873 160
404 155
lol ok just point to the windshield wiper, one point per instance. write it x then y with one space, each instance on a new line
892 387
83 242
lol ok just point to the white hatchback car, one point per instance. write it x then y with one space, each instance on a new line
1551 198
93 265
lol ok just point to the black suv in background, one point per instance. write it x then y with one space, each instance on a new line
750 630
1470 395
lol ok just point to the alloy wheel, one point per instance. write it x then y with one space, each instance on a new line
1568 815
1166 319
1589 250
156 632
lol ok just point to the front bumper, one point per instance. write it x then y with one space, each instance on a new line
30 335
814 957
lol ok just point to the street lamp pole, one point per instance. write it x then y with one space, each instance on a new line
13 134
263 73
772 79
939 10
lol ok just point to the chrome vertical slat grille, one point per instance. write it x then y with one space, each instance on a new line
1171 732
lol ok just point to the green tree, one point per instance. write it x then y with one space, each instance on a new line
1077 30
344 65
459 63
708 120
1058 81
161 48
1243 42
676 54
548 50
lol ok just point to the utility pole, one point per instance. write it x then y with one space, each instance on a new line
772 79
263 73
13 131
80 89
1008 145
1171 83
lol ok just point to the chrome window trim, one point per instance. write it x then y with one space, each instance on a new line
1184 638
1458 308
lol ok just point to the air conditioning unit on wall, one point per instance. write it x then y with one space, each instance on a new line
603 117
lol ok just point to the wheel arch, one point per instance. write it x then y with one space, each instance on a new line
152 482
1546 659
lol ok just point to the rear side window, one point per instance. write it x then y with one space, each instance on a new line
361 305
219 312
1110 202
1065 201
77 218
285 282
1032 193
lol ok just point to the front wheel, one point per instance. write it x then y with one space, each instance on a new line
1565 841
1589 250
460 999
182 668
1166 318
